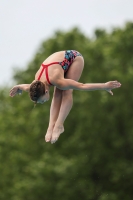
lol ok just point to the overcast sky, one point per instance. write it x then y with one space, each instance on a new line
24 24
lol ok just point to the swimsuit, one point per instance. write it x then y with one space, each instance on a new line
70 55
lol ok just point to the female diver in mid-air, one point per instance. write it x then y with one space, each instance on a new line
61 70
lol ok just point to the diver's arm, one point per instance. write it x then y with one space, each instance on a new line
65 84
17 89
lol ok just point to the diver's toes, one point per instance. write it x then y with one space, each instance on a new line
54 140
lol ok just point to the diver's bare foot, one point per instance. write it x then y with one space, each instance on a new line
56 133
48 135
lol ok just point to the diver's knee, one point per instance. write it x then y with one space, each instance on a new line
57 92
67 92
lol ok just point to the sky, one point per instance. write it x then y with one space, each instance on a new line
24 24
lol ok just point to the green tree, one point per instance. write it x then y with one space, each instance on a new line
93 158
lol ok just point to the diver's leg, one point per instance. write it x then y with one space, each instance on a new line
66 105
54 112
74 73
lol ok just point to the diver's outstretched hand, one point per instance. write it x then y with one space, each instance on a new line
112 85
15 90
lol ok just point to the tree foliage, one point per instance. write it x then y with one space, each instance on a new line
93 158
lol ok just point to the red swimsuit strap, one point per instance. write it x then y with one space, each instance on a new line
46 71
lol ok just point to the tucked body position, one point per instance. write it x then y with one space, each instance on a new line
61 70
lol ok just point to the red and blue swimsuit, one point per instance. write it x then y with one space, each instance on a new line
70 55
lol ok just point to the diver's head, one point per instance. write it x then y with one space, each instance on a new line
38 92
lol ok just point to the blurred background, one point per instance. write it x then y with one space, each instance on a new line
93 158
